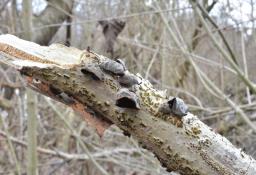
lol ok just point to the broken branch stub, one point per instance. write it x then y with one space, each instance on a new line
182 144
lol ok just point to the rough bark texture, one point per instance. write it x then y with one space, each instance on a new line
186 145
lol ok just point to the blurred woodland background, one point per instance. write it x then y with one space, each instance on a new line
203 53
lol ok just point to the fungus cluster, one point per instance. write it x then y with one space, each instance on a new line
126 98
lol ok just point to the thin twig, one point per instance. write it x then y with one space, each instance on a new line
64 155
154 57
224 53
205 79
84 147
245 66
7 135
219 32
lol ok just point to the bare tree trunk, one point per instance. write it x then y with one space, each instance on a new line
182 144
14 16
185 69
49 21
31 98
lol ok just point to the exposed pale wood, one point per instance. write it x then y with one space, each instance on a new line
186 145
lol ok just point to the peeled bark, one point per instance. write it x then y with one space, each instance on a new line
185 144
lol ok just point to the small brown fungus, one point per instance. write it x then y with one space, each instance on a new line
66 98
113 67
54 90
122 63
90 111
94 71
128 79
178 107
88 49
24 71
175 106
126 133
66 76
127 99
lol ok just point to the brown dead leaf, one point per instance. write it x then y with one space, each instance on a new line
111 29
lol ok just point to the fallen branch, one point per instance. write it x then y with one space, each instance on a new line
183 144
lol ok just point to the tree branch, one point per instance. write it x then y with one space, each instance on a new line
182 144
55 12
